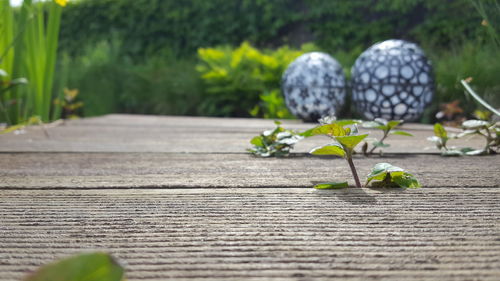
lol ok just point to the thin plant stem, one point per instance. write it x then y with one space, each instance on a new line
353 170
381 141
478 98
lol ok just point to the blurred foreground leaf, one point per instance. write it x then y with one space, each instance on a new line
84 267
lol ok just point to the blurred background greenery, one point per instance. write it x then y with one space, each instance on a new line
226 57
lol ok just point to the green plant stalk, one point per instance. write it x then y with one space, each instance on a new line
51 51
386 133
478 98
353 169
7 41
39 52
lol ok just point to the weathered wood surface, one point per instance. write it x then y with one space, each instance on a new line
128 133
177 198
260 234
172 170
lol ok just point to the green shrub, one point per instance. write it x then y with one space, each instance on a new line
481 62
147 26
110 83
238 80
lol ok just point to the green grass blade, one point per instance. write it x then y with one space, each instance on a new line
51 53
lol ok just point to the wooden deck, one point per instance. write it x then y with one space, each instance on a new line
177 198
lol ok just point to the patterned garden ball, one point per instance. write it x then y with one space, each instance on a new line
392 80
314 86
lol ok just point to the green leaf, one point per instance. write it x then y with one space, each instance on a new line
257 141
476 152
475 124
346 122
439 131
331 149
332 185
380 144
405 180
308 133
388 175
380 170
85 267
401 133
452 152
350 142
329 129
393 123
374 125
277 122
466 133
381 121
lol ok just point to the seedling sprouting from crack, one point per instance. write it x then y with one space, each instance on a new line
387 175
344 142
440 138
277 142
387 129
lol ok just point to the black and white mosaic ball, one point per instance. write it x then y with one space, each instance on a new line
392 80
314 86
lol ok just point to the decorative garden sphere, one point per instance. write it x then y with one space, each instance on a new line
392 80
314 86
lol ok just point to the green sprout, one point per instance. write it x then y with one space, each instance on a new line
387 175
386 127
277 142
344 142
440 138
489 130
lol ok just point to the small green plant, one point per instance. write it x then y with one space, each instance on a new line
440 138
387 175
83 267
387 128
345 140
69 103
277 142
489 130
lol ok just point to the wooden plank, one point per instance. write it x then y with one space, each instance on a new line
259 234
136 133
174 170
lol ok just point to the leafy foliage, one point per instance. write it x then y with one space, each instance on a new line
387 128
489 130
277 142
345 139
70 104
187 25
110 83
84 267
387 175
237 79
